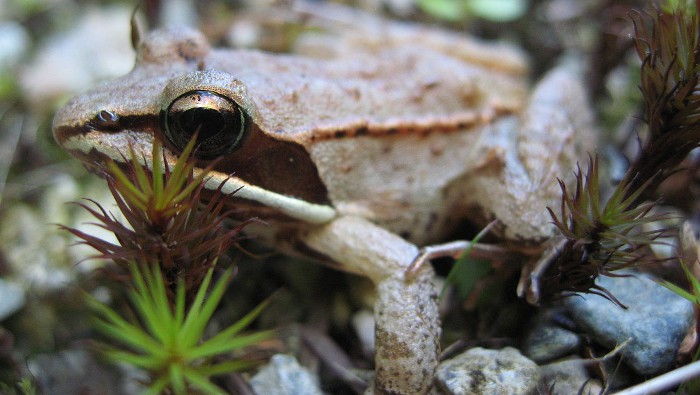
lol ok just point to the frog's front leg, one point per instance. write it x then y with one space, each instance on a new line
407 327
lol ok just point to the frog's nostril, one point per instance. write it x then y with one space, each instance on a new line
106 120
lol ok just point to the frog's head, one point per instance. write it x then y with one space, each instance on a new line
171 96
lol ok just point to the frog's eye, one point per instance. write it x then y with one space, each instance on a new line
217 120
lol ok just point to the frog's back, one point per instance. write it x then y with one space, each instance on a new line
416 128
361 73
390 114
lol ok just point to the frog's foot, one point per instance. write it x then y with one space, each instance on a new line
407 327
407 334
533 272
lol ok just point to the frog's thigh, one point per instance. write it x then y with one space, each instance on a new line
557 127
521 161
407 328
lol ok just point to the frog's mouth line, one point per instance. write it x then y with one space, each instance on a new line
96 145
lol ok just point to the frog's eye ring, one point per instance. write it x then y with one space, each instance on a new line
219 123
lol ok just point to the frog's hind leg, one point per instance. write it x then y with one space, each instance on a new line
521 157
407 327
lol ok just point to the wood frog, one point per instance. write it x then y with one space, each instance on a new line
372 139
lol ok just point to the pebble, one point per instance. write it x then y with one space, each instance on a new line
480 371
73 371
11 298
546 341
363 323
97 48
568 377
656 320
14 44
284 376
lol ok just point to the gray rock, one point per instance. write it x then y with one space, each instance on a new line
73 371
284 376
546 341
481 371
568 377
11 298
656 320
14 43
74 60
363 323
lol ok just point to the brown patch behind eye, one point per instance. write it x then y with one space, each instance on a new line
278 166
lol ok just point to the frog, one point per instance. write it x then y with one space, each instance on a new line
364 146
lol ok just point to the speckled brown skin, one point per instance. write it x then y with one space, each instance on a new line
363 145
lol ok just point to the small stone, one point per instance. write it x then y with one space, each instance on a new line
14 43
656 320
11 298
284 376
481 371
546 341
363 323
568 377
97 48
74 371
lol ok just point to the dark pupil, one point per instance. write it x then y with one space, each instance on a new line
207 121
218 122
